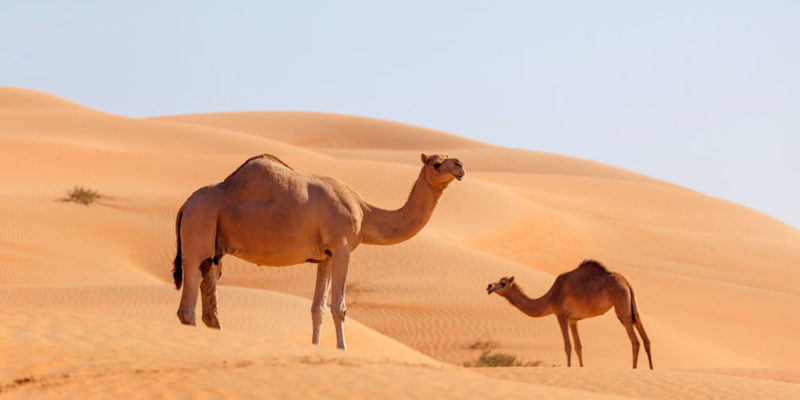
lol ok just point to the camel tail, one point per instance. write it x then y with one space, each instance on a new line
177 270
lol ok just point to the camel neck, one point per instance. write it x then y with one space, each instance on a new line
387 227
533 307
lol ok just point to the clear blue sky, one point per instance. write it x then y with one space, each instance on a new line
703 94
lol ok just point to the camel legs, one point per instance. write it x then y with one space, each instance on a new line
208 291
562 322
320 296
191 286
623 310
573 326
197 247
339 263
634 341
645 340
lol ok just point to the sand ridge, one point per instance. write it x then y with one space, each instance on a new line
89 309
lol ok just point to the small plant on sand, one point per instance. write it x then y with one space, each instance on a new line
489 359
82 195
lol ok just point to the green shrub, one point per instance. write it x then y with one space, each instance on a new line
488 359
82 195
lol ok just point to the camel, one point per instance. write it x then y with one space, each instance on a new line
587 291
267 213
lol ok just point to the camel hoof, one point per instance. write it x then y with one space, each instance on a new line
186 318
211 322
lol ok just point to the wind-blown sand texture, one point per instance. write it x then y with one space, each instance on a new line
87 306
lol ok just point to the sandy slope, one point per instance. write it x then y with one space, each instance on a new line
88 309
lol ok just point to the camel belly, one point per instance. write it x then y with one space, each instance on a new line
280 258
272 248
580 310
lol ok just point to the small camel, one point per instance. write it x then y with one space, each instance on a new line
587 291
268 214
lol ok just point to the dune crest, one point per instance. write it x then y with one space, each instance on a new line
88 303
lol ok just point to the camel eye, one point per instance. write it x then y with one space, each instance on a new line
437 165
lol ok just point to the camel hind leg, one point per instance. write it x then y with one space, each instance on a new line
208 290
197 230
624 311
637 322
645 340
573 326
634 342
562 323
191 287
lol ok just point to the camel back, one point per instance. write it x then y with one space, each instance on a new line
259 157
593 264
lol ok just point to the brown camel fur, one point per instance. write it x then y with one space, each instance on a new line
269 214
587 291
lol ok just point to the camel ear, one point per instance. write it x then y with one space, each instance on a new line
424 158
511 279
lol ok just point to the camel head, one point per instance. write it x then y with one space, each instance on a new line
440 170
500 286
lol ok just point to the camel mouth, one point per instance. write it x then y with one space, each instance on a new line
459 177
489 289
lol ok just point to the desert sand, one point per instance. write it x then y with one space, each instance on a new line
87 306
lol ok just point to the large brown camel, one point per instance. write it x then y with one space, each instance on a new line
269 214
587 291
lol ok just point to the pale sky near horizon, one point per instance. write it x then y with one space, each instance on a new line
702 94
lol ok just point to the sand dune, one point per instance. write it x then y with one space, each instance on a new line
88 309
671 384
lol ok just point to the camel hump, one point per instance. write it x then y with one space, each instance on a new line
593 264
259 158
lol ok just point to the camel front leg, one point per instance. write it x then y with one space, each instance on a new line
339 263
320 296
208 291
573 326
562 322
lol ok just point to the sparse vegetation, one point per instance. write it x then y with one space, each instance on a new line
489 359
82 195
